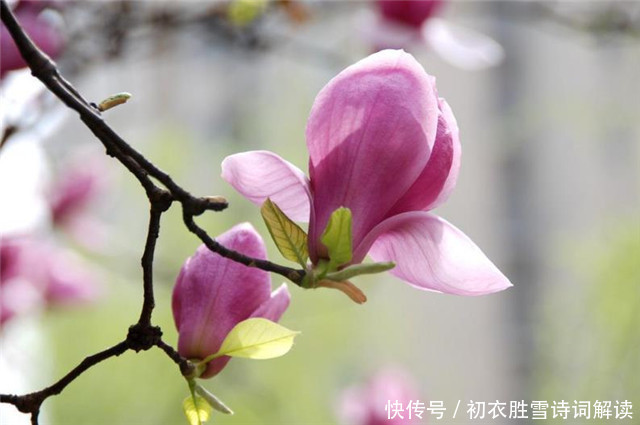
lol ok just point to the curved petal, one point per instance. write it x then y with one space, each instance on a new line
274 307
432 254
212 294
259 175
373 124
438 179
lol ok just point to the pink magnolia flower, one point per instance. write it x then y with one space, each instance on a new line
212 294
387 398
382 144
45 35
407 23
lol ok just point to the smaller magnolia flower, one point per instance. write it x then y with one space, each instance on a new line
212 294
43 33
383 400
403 23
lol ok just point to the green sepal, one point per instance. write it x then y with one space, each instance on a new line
213 401
315 274
289 238
337 238
359 269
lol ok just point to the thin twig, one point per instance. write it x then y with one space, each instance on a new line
185 366
293 275
147 266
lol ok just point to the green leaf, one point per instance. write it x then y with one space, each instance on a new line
196 409
213 401
359 269
337 237
256 338
290 239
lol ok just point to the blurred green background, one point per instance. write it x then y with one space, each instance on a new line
549 188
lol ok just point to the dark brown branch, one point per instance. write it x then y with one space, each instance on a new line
30 403
158 205
293 275
186 368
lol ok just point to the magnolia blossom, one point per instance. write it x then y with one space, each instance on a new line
382 144
405 23
43 33
387 398
212 294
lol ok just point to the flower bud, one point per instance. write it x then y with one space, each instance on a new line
213 293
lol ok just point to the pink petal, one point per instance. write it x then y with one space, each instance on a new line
274 307
213 294
259 175
438 179
432 254
369 134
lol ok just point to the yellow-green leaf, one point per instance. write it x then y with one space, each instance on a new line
337 237
290 239
196 409
257 338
